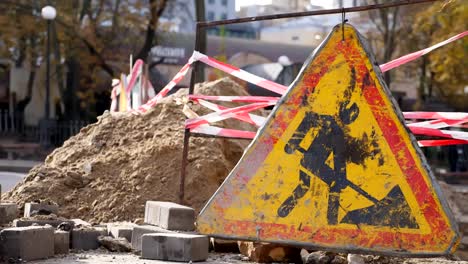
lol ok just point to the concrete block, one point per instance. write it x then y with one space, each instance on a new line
27 243
175 247
170 216
61 242
8 212
123 230
86 239
31 209
31 221
139 231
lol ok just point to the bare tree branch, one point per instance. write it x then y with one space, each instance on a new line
156 10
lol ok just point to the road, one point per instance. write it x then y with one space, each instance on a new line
9 179
103 257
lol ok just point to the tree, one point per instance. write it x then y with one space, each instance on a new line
443 72
94 38
386 21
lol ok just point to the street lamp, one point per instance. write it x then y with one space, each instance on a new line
48 13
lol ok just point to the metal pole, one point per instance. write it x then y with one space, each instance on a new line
47 95
194 77
313 13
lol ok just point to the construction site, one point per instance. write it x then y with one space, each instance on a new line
328 170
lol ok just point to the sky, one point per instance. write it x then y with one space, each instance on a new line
239 3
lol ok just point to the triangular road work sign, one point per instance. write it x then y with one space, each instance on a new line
334 167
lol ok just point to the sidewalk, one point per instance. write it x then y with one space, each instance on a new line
22 166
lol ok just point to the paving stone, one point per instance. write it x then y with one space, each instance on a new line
123 230
8 212
87 238
175 247
170 216
61 242
139 231
27 243
31 221
31 209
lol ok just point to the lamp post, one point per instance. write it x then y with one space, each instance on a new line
48 13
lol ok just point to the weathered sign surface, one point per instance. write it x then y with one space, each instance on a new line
334 167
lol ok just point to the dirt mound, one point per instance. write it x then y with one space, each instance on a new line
111 168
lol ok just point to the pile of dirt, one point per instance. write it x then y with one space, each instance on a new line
111 168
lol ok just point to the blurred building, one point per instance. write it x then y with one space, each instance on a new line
174 51
179 15
274 7
219 9
308 31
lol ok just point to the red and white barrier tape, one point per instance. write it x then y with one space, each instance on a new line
223 132
241 74
270 85
224 114
200 124
247 117
136 70
440 142
412 56
177 78
438 123
231 133
235 99
435 115
439 133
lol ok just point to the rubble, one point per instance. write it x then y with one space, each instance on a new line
115 244
267 253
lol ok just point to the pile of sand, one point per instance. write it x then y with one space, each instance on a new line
111 168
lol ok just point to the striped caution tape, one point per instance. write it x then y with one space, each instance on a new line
439 133
261 82
435 115
269 85
247 117
440 142
224 114
136 71
439 123
241 74
426 128
223 132
177 78
412 56
231 133
201 124
234 99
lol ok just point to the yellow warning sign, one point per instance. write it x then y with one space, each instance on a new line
335 167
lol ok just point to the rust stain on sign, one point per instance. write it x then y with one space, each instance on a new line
334 167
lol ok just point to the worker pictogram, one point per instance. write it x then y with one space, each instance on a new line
330 139
335 167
